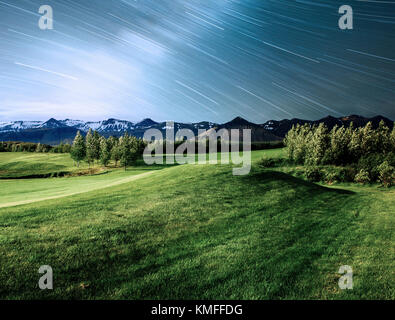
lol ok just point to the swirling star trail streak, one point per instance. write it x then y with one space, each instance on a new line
196 60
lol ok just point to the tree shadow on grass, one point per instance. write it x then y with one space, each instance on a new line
269 176
147 167
141 165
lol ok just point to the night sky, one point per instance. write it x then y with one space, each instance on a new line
190 60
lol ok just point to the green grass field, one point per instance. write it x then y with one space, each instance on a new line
194 232
25 164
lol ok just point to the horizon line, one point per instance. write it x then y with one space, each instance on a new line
189 122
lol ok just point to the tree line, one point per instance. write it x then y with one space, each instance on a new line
94 147
369 152
15 146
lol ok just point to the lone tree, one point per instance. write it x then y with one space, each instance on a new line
78 150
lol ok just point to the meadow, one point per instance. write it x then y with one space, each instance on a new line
30 164
191 232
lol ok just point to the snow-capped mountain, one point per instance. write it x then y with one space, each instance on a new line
51 124
110 125
19 125
55 131
146 123
79 124
114 125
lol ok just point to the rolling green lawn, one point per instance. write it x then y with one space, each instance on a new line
15 166
198 232
21 164
16 192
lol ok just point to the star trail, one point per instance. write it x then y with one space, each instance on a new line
194 60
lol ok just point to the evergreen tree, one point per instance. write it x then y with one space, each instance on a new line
105 151
96 145
116 150
111 142
355 144
302 133
78 150
128 149
383 138
317 144
348 134
339 141
392 139
289 141
90 147
364 149
136 147
368 139
141 145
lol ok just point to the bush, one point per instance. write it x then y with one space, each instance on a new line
313 174
390 158
338 174
331 177
346 174
370 163
362 177
386 174
267 162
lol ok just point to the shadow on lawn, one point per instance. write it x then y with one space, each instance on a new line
293 182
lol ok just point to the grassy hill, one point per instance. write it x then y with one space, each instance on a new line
198 232
31 164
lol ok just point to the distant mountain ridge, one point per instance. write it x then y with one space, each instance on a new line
55 131
101 126
280 128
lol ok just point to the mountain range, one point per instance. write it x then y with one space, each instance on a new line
55 131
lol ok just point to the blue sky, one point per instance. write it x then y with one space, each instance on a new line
196 60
